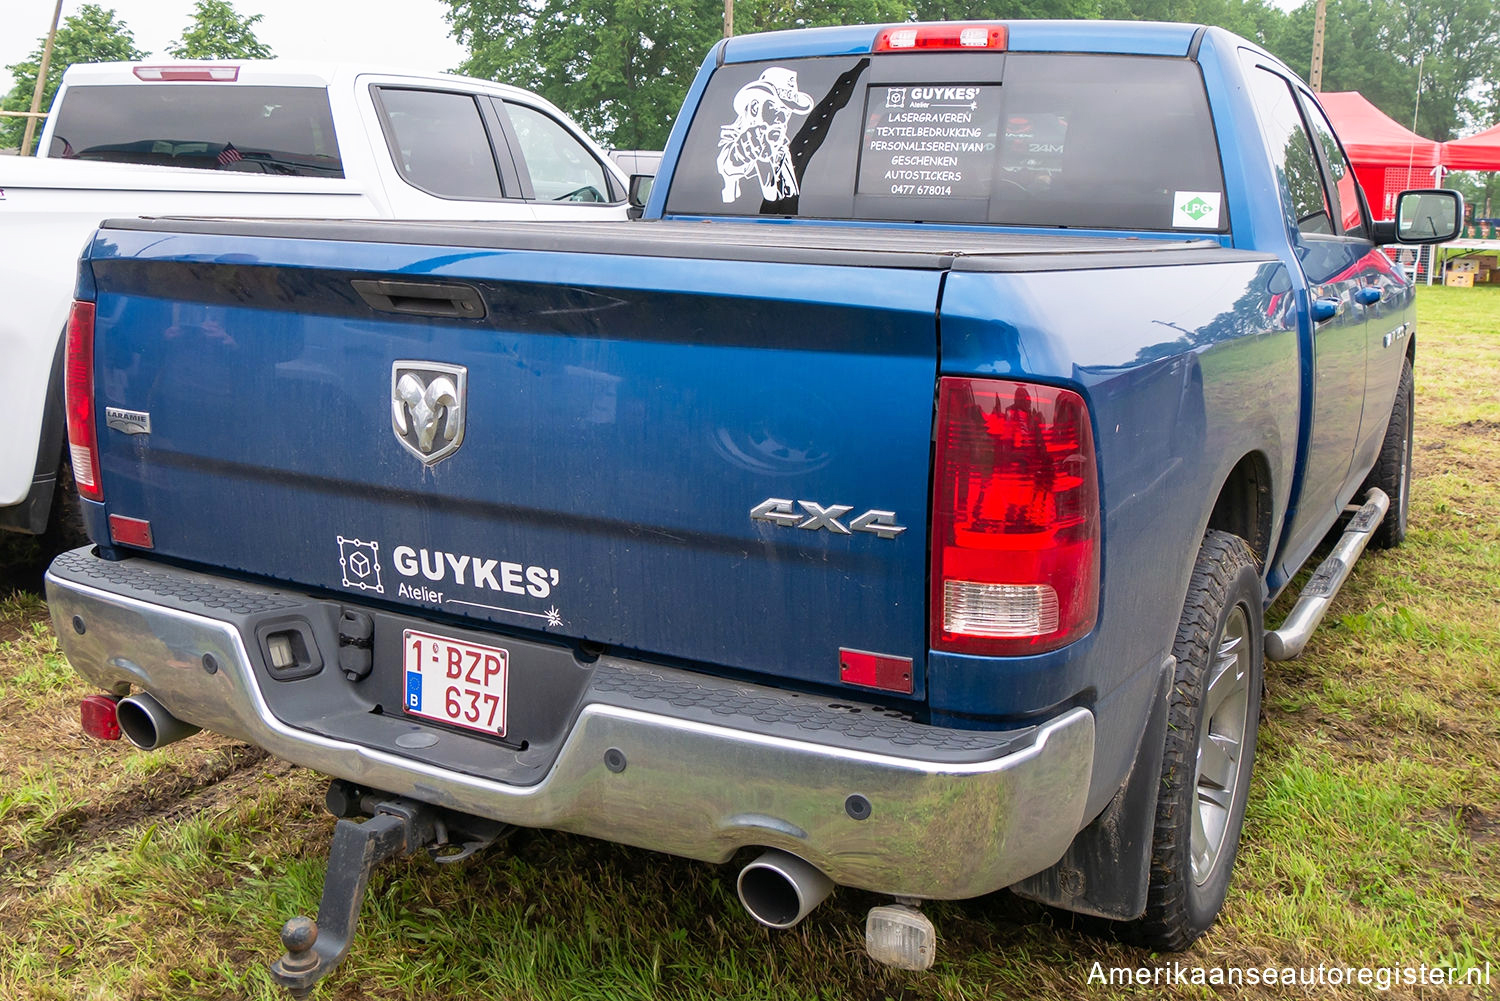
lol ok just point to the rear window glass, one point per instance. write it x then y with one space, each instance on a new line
440 142
266 130
1082 141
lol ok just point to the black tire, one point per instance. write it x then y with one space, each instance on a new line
1216 692
1392 471
24 558
65 522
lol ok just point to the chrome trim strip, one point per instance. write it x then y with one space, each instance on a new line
935 830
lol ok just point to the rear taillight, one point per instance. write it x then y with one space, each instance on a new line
83 439
1015 520
942 37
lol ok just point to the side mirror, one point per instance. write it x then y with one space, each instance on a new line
640 191
1429 216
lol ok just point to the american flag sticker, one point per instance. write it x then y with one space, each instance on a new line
229 155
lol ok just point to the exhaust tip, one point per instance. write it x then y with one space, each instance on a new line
779 889
148 725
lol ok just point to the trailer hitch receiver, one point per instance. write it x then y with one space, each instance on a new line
397 827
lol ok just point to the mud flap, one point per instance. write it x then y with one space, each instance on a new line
1106 870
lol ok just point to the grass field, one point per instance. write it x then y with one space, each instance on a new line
1373 836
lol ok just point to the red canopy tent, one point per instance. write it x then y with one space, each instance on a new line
1478 152
1387 157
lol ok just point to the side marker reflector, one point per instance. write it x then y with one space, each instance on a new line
130 531
875 670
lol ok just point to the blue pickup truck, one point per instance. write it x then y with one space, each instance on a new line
899 499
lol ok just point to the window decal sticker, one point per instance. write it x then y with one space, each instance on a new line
1196 209
758 141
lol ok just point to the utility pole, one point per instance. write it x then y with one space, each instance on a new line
1316 77
41 81
728 18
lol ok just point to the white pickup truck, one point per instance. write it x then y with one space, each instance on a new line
253 139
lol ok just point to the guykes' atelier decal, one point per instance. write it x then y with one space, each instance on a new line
431 575
758 141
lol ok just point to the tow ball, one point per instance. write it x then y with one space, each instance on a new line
395 828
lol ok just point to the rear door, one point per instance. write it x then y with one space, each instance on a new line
443 152
1331 264
1384 295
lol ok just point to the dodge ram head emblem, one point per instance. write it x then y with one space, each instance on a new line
427 407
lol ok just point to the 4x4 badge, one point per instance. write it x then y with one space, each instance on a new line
427 407
812 516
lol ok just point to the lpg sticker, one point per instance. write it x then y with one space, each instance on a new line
360 562
1196 209
758 142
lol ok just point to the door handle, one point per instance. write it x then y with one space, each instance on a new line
1325 309
441 299
1368 295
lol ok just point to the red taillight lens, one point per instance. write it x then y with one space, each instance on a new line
98 715
1015 520
83 439
938 37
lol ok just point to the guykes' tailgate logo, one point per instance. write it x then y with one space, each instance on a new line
430 576
428 402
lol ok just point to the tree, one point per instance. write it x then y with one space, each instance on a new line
218 32
622 67
1376 47
93 35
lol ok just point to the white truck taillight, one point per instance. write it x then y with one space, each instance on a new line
1015 518
83 438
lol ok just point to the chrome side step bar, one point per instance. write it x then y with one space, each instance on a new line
1319 591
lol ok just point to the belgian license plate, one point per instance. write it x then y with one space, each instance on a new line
455 682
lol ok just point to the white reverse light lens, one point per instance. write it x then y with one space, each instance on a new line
976 609
900 936
83 464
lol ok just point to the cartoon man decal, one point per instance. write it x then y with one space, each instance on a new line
758 140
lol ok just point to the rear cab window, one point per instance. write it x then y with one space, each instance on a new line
249 129
440 142
1035 139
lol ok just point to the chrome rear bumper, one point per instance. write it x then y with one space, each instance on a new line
935 829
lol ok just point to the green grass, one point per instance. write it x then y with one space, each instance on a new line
1373 835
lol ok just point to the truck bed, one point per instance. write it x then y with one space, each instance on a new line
917 247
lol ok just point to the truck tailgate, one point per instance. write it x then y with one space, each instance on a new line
665 455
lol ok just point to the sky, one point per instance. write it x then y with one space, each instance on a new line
399 33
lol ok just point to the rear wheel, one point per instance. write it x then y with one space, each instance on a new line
1392 472
1210 747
